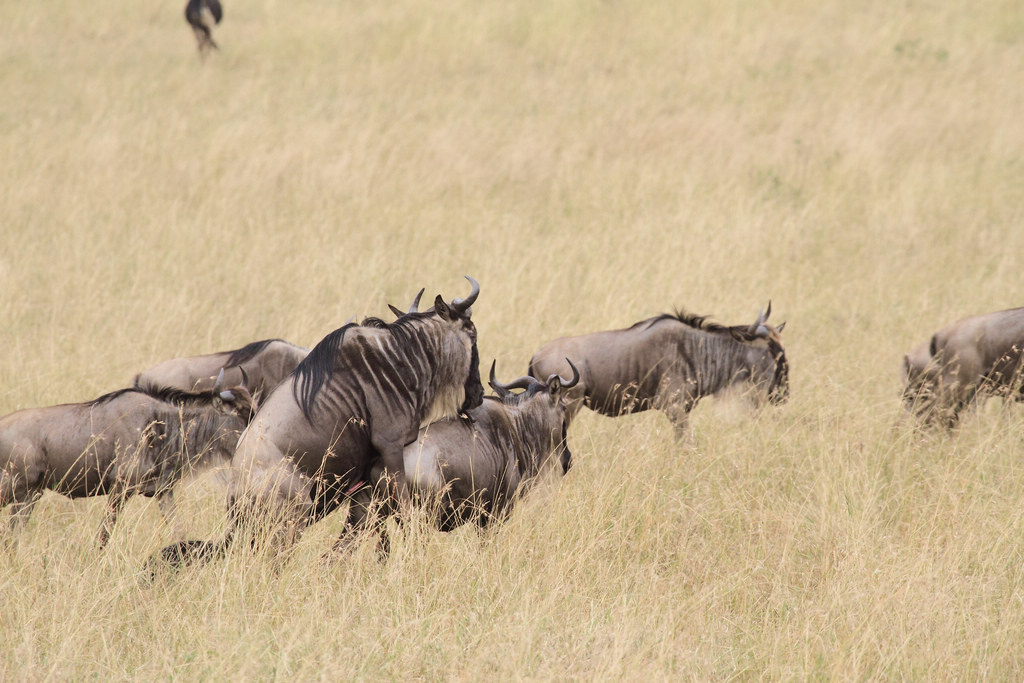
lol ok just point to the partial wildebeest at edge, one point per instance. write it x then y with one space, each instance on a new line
123 443
472 468
669 363
340 422
202 15
963 362
260 366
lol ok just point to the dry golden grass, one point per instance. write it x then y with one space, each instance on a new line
591 164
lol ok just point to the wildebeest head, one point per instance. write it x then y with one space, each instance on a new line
466 357
551 397
236 399
769 369
918 370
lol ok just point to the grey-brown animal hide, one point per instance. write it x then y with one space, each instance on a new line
965 361
123 443
472 468
669 363
260 366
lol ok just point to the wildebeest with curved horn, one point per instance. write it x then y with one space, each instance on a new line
669 363
202 15
260 366
342 418
965 361
472 468
123 443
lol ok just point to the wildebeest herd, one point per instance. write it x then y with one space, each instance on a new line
386 415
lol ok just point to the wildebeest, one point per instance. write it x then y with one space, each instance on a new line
669 363
341 419
969 359
260 366
123 443
471 468
202 15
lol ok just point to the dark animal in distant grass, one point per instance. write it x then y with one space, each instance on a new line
202 16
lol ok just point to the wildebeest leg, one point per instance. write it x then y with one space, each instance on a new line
165 499
20 512
367 513
115 502
679 416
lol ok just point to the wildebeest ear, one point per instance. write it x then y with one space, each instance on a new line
398 313
554 384
442 308
781 327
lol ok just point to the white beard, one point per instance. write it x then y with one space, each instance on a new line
446 404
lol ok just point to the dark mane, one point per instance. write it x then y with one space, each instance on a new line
699 322
316 368
165 394
402 328
248 352
106 398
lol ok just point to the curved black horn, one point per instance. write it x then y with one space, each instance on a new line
493 381
506 389
461 305
575 376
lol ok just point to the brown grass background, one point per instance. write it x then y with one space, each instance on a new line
591 163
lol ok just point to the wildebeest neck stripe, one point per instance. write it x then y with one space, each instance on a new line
316 368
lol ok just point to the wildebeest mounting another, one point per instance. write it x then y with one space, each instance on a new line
202 15
969 359
342 418
123 443
669 363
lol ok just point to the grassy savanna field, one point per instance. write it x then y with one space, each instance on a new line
591 164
